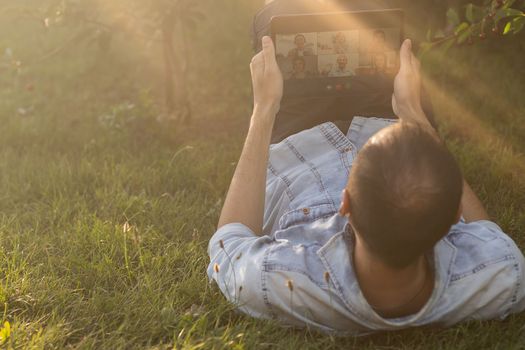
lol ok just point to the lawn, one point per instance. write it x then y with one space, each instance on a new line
105 211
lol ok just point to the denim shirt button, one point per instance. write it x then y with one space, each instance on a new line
348 149
306 211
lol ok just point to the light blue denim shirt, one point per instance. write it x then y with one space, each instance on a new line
300 272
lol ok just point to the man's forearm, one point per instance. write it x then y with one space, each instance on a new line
244 202
471 206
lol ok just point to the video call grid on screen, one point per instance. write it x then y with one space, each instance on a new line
356 44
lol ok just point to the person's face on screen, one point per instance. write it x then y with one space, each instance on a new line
300 41
342 62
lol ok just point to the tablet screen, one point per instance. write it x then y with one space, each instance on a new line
342 53
336 52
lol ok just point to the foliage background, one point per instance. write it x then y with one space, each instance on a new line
106 209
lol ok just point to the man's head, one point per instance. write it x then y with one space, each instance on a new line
299 41
403 194
342 61
340 38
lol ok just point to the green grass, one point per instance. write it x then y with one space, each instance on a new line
83 163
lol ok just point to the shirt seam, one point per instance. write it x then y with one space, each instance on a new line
312 168
303 221
284 179
264 288
516 268
329 135
335 137
459 232
337 286
479 267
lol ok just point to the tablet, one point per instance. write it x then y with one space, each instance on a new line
325 54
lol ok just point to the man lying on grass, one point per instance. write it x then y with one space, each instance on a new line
407 244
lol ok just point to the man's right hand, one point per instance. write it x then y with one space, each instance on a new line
267 79
406 100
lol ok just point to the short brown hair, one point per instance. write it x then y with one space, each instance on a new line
405 189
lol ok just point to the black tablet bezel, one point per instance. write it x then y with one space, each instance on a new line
331 21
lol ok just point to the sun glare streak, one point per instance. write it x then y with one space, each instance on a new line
466 123
477 86
457 114
479 89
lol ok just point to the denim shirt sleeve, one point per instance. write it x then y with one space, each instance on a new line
516 268
517 302
236 265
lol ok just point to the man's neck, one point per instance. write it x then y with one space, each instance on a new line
396 291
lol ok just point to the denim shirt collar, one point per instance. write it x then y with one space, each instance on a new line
337 259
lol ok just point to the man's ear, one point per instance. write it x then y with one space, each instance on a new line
344 209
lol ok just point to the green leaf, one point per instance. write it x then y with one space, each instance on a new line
506 12
508 27
462 27
463 36
518 24
452 17
5 332
469 13
474 13
7 327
